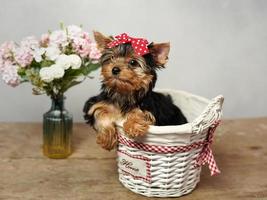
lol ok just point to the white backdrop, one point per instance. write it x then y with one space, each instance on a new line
217 47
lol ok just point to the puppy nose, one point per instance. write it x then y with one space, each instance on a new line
116 70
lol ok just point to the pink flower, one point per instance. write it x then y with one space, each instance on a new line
82 46
44 40
10 75
74 31
58 38
23 56
2 65
85 35
29 43
6 50
94 53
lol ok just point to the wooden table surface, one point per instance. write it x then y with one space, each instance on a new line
91 173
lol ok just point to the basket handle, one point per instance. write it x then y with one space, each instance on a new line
209 116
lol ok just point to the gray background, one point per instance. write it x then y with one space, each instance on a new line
217 47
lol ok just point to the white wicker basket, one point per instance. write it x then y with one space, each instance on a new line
163 162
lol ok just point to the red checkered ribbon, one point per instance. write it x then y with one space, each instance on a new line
139 44
205 156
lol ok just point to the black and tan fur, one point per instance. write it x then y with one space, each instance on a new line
127 92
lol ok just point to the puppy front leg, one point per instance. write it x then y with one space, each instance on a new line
137 122
105 115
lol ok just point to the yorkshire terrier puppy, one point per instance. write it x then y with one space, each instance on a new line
129 68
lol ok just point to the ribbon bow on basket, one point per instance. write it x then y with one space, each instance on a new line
139 44
206 155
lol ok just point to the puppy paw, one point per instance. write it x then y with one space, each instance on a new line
134 128
108 138
138 122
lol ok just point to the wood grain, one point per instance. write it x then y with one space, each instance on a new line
91 173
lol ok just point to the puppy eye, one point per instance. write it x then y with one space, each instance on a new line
111 58
133 63
107 60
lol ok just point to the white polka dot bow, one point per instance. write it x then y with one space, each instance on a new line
139 44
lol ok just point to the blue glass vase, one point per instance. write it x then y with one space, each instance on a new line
57 130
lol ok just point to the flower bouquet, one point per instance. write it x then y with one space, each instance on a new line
52 64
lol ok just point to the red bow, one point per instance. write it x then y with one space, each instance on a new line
206 155
139 44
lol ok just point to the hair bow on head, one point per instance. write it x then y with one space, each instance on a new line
139 44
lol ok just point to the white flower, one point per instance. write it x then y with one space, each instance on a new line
48 74
57 71
58 38
63 61
45 74
37 54
67 61
75 61
74 31
52 52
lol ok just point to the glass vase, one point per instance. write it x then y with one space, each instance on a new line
57 130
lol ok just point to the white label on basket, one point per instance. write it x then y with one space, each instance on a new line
135 165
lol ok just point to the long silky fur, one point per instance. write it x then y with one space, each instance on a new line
161 106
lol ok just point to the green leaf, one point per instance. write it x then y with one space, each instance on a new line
89 68
37 91
61 24
21 71
69 85
35 65
46 63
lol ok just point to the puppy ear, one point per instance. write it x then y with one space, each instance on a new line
160 53
101 40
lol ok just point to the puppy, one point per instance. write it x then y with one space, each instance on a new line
129 75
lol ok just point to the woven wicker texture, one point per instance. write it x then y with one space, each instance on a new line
149 166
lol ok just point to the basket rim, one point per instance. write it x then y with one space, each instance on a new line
184 128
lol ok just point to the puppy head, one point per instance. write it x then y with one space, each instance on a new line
125 72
